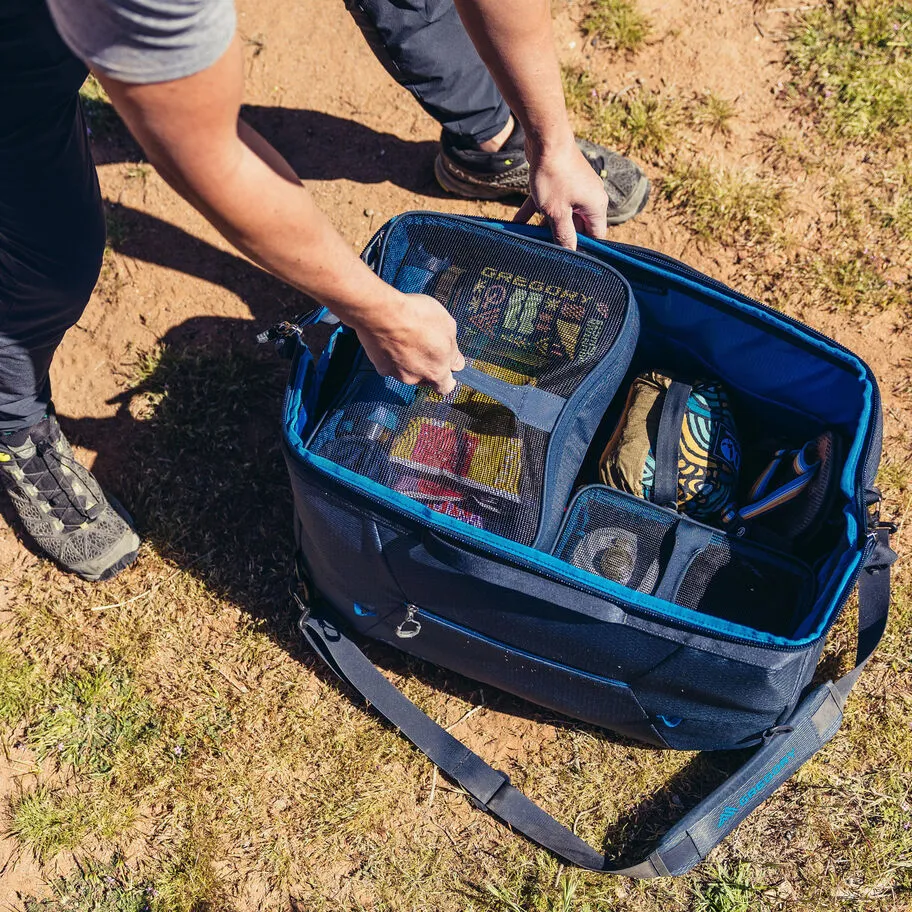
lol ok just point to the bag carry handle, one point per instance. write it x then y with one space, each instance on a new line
533 406
785 748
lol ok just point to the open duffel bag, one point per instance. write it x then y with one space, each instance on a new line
463 530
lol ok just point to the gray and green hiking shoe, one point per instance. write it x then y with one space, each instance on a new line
62 506
465 170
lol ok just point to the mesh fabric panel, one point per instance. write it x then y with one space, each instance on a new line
527 313
539 312
744 585
631 541
463 454
617 539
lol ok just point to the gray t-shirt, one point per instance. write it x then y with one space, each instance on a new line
144 41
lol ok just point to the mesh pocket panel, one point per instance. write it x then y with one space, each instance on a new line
633 542
617 539
744 585
463 455
532 311
527 313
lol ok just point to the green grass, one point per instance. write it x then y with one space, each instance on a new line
638 122
893 207
713 112
618 24
853 66
725 205
99 112
854 280
94 716
895 475
580 91
115 226
47 821
187 881
184 884
729 890
20 687
559 899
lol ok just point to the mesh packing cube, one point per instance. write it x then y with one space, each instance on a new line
663 632
548 337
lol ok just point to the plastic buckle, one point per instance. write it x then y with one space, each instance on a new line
873 497
300 588
882 556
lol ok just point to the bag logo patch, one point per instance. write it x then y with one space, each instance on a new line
729 812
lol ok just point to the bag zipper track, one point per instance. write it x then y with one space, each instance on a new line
415 612
475 220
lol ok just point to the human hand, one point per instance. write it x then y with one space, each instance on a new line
567 192
414 340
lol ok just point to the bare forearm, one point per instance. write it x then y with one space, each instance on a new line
263 209
246 189
191 132
514 38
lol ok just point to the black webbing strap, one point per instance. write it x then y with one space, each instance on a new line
668 444
816 719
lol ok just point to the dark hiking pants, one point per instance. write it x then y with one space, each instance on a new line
424 47
51 222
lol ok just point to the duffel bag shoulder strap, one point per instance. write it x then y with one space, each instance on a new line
813 723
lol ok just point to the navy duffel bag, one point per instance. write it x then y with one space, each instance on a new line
470 530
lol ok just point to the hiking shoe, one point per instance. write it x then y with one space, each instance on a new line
465 170
62 506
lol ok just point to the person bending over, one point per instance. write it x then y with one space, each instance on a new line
173 71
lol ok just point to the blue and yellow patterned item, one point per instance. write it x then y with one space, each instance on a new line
708 450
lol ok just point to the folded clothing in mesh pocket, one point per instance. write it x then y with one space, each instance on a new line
548 335
655 550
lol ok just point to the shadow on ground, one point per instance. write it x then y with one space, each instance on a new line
318 146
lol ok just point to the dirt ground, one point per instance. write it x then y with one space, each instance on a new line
365 151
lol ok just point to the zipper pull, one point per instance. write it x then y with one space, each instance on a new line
284 329
411 626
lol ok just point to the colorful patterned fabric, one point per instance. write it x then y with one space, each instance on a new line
709 454
488 462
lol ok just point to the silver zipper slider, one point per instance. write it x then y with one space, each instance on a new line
285 329
411 626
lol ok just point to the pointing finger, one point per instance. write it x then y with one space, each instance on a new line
525 211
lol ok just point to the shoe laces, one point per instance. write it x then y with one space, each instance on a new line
45 470
597 162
